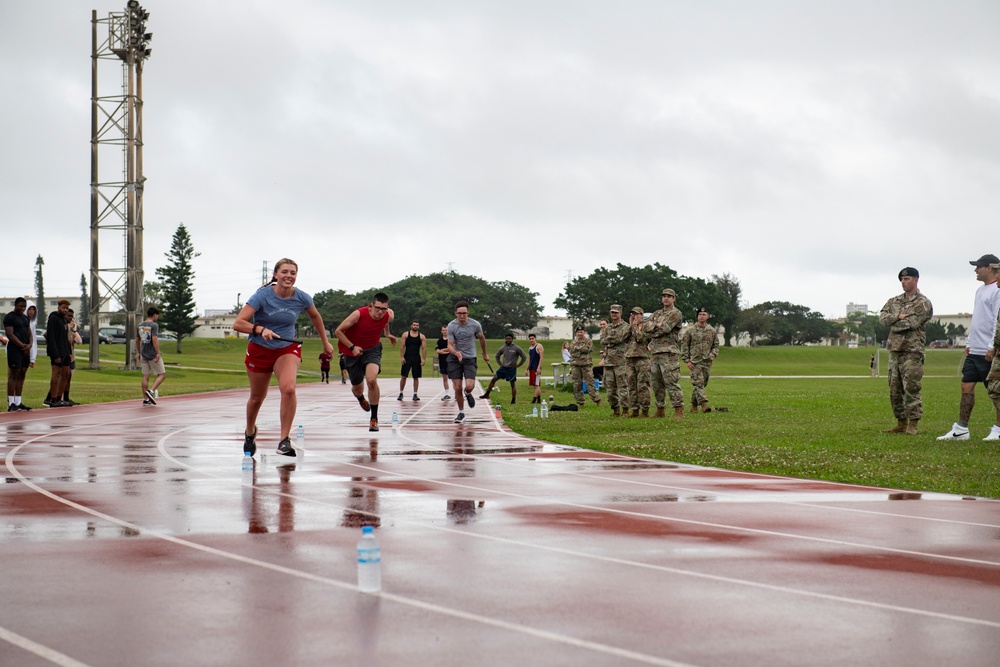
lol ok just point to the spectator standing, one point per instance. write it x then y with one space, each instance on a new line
637 357
536 357
57 349
906 315
508 357
581 351
441 349
614 343
979 344
20 335
663 328
699 348
413 356
74 340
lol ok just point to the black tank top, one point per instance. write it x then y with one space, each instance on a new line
412 351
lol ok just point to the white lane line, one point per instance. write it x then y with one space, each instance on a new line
44 652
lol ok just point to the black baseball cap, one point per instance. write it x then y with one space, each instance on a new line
985 260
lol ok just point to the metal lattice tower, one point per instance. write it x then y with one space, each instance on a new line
116 206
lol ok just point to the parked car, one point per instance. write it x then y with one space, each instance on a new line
166 335
85 337
114 334
940 344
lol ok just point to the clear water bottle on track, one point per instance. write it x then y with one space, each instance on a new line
395 420
369 562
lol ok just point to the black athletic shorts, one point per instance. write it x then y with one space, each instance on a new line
356 365
418 370
17 358
60 361
975 368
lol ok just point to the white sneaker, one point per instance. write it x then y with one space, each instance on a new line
994 433
956 433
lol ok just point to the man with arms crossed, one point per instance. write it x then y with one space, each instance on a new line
147 338
57 348
663 328
463 332
359 338
979 345
906 315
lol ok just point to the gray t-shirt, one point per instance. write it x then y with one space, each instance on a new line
146 331
464 336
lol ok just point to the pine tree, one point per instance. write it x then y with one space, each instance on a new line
177 313
83 317
40 292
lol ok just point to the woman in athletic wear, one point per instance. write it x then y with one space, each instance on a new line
274 309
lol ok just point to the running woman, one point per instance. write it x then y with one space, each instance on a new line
274 308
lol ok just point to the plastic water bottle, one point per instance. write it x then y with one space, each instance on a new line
395 420
247 469
300 436
545 410
369 562
534 410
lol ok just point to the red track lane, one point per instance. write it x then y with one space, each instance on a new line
130 538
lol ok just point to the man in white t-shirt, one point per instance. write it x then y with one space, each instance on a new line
979 346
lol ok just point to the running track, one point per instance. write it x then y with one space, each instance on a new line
129 538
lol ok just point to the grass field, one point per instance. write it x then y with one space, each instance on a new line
815 427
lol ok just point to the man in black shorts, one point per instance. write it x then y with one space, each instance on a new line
442 355
17 329
509 357
60 356
412 354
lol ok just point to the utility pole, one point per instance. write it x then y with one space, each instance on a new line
116 215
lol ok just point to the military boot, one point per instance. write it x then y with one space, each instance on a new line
911 427
660 413
635 413
678 413
900 427
644 414
615 412
705 407
694 407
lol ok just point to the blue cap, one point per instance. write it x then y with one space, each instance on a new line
365 530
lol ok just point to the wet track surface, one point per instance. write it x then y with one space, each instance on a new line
130 536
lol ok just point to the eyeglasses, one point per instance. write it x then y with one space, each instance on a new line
380 308
461 312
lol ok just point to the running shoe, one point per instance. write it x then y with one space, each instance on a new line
994 433
250 443
472 401
23 408
446 397
460 418
151 396
48 402
416 398
373 426
364 404
400 397
956 433
13 408
148 402
70 403
285 448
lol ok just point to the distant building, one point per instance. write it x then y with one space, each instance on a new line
856 308
215 326
549 327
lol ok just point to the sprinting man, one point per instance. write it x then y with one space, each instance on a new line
979 345
906 315
442 354
463 331
412 356
150 360
360 339
508 357
536 356
324 366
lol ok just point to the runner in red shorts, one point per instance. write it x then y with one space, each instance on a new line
271 350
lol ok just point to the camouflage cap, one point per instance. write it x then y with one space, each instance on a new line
908 271
637 311
615 308
668 292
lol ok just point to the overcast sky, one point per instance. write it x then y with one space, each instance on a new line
811 149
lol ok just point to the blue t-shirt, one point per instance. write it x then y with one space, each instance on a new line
277 314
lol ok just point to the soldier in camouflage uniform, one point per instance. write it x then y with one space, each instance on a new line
581 352
663 328
906 315
699 348
614 342
637 366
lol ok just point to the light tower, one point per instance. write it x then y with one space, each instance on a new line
116 206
